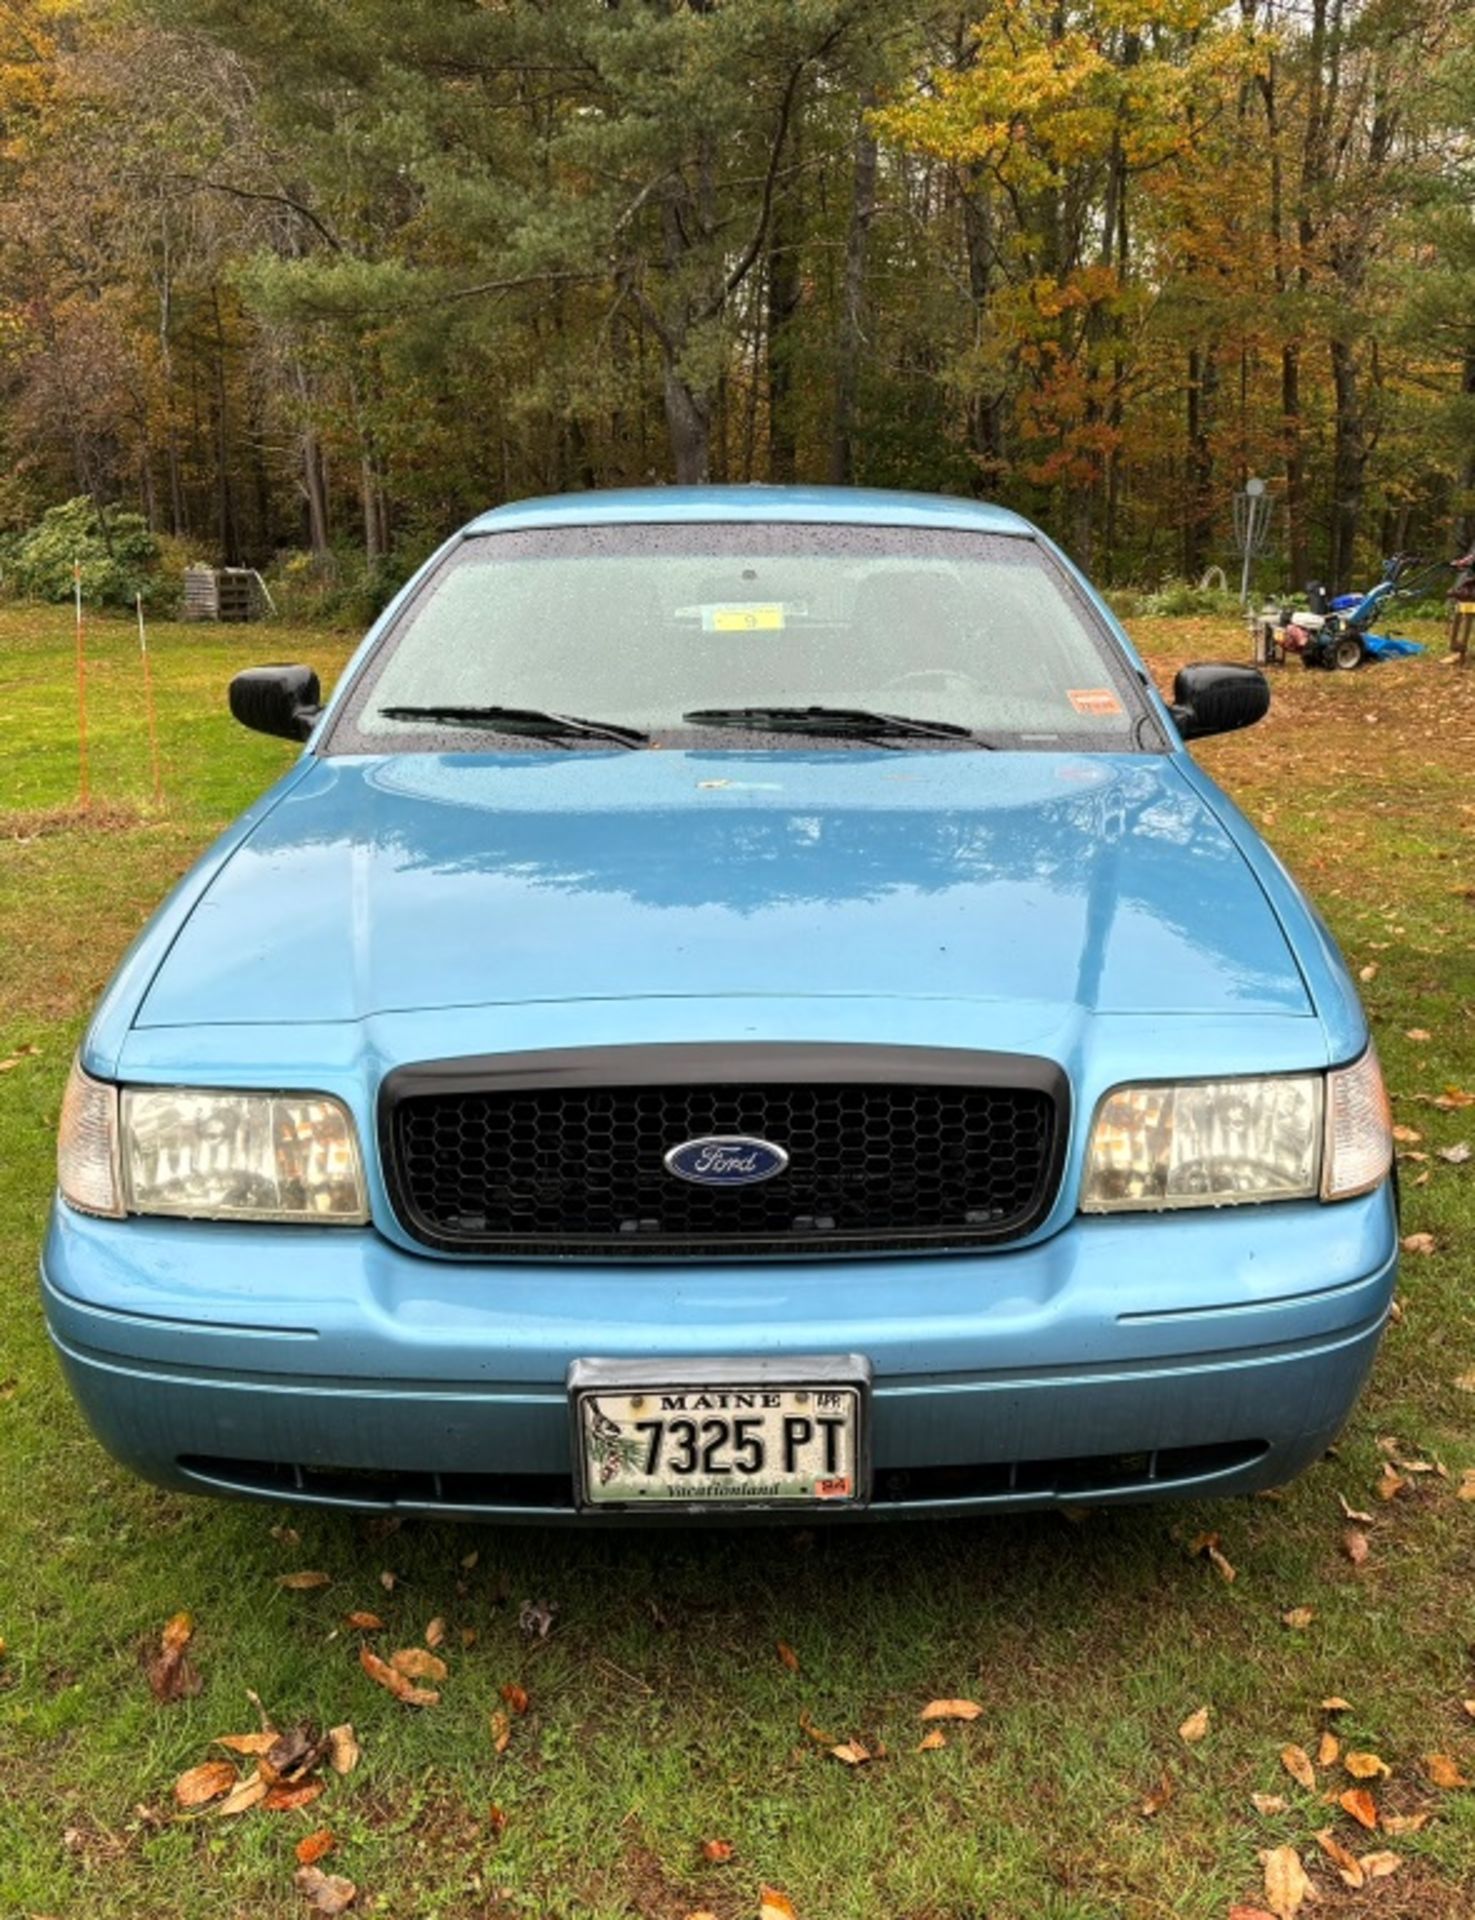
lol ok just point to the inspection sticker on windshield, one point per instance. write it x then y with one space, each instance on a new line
1096 700
743 617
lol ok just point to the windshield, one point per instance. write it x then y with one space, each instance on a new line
709 634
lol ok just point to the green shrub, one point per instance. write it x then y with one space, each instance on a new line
119 556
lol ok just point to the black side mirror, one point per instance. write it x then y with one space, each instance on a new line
285 701
1214 698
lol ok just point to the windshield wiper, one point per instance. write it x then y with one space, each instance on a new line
858 721
529 720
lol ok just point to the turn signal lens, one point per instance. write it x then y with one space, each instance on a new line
1359 1129
87 1145
1204 1143
241 1156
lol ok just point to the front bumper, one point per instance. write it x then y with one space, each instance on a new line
1122 1359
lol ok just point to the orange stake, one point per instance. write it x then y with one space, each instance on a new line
148 694
84 766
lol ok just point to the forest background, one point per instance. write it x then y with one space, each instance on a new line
302 287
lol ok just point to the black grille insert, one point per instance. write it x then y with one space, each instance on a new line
565 1154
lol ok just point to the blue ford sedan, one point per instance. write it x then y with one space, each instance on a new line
743 1005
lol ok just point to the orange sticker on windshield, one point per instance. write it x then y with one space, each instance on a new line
1097 700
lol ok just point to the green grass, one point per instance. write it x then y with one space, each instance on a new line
661 1715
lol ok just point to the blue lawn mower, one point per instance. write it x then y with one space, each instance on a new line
1337 634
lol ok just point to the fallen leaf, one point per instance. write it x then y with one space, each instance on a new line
1465 1382
951 1710
1369 972
773 1905
1154 1802
1452 1099
1334 1703
293 1755
469 1560
415 1663
1360 1804
1268 1802
1354 1545
1194 1727
535 1617
1207 1544
1405 1822
1286 1884
388 1580
304 1582
288 1536
1345 1862
363 1622
1390 1484
286 1799
1469 1706
787 1654
254 1744
1239 1912
326 1892
171 1675
501 1728
1377 1866
717 1851
1355 1513
313 1847
1298 1617
1407 1136
1456 1155
1297 1763
395 1682
852 1753
1328 1747
246 1794
435 1632
932 1740
1417 1243
516 1698
1443 1772
1366 1766
205 1783
817 1734
497 1821
1418 1033
1466 1489
344 1750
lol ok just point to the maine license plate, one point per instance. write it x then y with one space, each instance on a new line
720 1442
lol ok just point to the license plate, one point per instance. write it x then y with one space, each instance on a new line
728 1435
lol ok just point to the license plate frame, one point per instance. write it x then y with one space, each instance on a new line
848 1373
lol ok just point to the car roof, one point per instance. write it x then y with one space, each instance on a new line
853 506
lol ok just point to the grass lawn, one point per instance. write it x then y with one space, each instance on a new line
660 1714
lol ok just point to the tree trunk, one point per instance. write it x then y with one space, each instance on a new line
689 429
852 309
1198 506
784 295
1349 464
1466 520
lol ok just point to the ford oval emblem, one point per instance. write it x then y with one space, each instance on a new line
726 1160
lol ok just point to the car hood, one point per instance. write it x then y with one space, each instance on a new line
425 881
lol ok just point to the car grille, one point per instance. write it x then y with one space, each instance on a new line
889 1148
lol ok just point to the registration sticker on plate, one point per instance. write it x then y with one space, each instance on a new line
720 1442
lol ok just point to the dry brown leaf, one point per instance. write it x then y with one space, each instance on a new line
395 1682
1443 1772
1334 1703
501 1728
1405 1822
1456 1155
293 1755
932 1740
468 1637
1154 1802
1360 1804
1344 1861
313 1847
1377 1866
325 1892
205 1783
497 1821
435 1632
1366 1766
516 1698
1469 1706
416 1663
254 1744
363 1622
304 1582
1355 1546
1208 1545
773 1905
852 1753
344 1750
787 1654
1286 1884
1194 1727
1241 1912
817 1734
1369 972
1390 1483
1268 1802
1417 1243
1418 1033
951 1710
171 1675
1355 1513
1466 1489
1298 1617
717 1851
243 1796
388 1580
1407 1136
286 1799
1297 1763
1465 1382
1327 1749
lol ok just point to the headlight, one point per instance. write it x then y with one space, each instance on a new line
1205 1143
87 1145
1359 1129
240 1156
